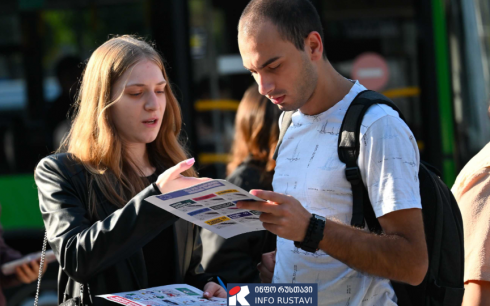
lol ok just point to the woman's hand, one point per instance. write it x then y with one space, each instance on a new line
212 289
172 179
29 272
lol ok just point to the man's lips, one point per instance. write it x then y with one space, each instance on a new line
277 100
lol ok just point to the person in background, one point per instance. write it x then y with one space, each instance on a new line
24 274
472 192
123 147
251 167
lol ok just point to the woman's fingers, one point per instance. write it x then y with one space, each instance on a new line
181 183
212 289
176 170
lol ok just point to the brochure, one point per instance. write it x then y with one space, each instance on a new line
212 205
181 294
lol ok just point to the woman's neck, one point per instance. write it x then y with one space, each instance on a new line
139 158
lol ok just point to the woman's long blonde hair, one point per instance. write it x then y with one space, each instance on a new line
256 130
93 138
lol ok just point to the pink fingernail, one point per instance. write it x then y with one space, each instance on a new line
190 161
206 293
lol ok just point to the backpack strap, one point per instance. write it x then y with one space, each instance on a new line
348 151
287 118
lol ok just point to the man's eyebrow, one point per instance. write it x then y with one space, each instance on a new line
268 62
142 85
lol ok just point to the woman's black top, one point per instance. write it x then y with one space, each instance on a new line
106 253
159 253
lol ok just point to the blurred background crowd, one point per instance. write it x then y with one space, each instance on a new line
429 56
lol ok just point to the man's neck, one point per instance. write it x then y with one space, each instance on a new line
331 88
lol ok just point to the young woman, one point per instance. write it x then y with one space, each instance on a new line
251 167
123 147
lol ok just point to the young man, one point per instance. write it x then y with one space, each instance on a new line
281 43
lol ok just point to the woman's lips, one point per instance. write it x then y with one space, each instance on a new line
278 100
151 122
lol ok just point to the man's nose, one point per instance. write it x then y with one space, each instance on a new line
266 85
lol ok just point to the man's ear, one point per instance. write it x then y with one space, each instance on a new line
314 46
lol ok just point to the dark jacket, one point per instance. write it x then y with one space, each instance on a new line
236 258
106 254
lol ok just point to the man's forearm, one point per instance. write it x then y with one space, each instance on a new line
389 256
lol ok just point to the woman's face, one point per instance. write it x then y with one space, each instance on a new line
139 112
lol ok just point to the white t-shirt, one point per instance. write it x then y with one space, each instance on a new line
308 168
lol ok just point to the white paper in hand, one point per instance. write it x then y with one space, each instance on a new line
212 205
182 294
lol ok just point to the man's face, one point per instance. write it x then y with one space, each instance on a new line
285 75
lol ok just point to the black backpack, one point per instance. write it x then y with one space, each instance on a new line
443 284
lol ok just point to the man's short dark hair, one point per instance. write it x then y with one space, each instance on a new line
294 19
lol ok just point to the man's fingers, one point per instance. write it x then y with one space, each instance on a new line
275 229
269 218
269 195
260 206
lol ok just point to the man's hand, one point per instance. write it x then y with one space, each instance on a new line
399 254
212 289
282 215
266 267
27 273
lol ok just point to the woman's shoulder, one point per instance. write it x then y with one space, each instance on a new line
250 175
245 169
66 164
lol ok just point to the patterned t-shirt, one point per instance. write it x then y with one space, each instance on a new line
308 168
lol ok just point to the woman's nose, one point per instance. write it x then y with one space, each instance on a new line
151 103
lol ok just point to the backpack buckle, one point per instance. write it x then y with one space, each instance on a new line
353 175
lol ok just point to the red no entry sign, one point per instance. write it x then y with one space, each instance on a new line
371 70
